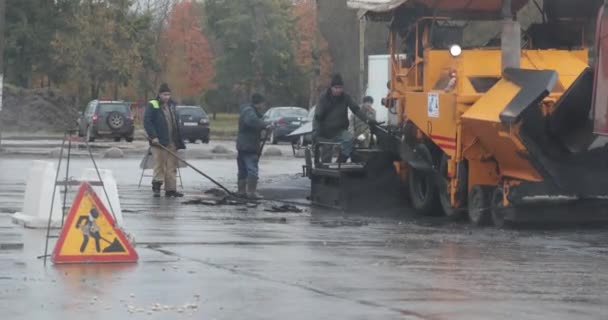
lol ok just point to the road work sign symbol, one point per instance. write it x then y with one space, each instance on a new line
89 234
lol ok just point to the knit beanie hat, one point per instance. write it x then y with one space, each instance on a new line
164 88
257 98
336 80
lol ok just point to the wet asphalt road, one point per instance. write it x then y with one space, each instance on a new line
201 262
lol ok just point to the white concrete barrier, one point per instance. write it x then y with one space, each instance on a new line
90 175
39 197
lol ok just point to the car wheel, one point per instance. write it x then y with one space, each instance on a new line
116 139
116 120
206 141
192 140
129 139
273 139
90 135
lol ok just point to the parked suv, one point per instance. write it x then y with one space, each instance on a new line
194 123
106 119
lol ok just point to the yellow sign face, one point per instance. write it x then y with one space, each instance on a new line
89 234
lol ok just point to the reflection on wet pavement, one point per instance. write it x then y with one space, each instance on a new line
207 262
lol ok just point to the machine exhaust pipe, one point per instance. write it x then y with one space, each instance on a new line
510 38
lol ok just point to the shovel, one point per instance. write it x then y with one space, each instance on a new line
114 246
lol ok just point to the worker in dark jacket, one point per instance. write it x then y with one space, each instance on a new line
251 124
330 123
162 127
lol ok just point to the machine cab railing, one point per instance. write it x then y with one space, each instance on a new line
425 33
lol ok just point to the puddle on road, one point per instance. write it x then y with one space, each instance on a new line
340 223
99 272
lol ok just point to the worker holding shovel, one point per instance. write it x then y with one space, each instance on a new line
89 229
248 145
162 128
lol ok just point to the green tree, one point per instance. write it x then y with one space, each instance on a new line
147 75
101 49
30 26
257 40
155 14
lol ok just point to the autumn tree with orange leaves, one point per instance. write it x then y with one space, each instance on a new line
186 55
312 51
212 50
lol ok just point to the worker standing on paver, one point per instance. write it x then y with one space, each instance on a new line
162 127
251 124
331 123
359 128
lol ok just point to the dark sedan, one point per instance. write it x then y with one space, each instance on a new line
194 123
284 120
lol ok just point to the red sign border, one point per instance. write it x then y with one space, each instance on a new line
58 258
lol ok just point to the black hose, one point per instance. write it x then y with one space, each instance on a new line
221 186
176 156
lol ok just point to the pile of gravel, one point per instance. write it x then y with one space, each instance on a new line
33 110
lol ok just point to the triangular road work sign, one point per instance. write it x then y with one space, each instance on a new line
89 234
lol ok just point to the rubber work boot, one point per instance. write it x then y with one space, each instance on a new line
156 188
252 188
242 191
173 194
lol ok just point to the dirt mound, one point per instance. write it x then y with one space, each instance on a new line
31 110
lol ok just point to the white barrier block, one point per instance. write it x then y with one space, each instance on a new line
38 198
90 175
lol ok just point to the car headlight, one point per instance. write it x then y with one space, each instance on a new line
204 121
455 50
361 138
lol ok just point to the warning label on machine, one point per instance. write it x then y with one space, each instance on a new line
433 105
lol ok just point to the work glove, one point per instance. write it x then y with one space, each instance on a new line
155 142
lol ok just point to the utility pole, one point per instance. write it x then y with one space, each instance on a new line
256 59
362 21
2 23
510 37
316 57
